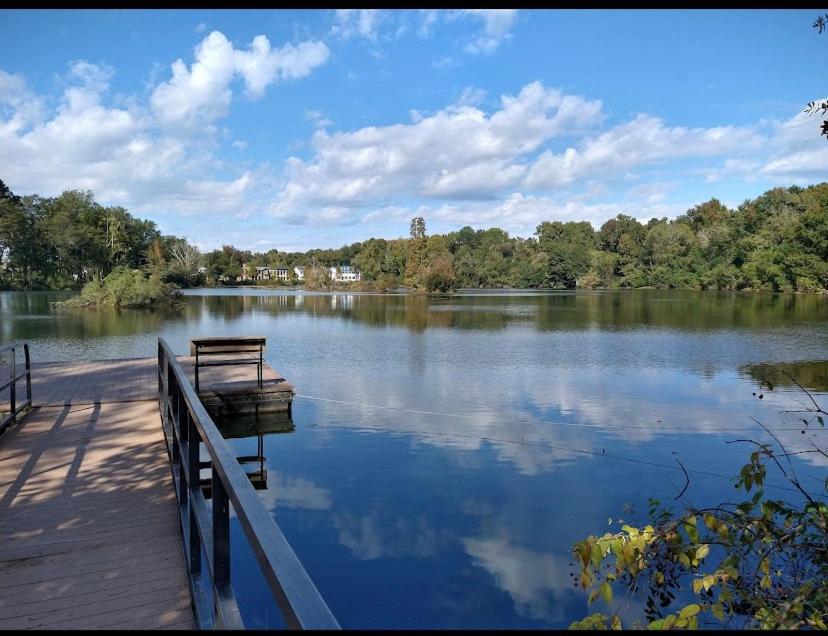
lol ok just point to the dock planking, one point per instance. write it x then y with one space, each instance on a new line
89 535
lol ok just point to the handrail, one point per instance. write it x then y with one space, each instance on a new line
14 377
187 426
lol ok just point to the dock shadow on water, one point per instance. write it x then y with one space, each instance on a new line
247 432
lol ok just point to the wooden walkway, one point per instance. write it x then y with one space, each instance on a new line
89 535
87 382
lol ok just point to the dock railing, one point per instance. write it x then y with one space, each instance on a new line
11 350
206 528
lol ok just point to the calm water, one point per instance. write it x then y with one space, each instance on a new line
448 451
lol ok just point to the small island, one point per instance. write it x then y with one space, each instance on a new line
124 288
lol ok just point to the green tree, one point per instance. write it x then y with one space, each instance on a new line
416 263
440 275
568 246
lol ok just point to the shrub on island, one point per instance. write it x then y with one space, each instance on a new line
124 288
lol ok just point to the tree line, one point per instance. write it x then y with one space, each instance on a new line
776 242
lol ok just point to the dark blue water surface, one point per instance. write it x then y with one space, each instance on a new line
448 451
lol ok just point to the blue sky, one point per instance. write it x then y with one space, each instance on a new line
299 129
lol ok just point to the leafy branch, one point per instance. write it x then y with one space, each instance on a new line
759 563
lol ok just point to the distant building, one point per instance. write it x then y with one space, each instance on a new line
263 273
345 274
341 274
268 273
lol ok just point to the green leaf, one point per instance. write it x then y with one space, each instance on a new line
702 551
690 610
691 531
606 592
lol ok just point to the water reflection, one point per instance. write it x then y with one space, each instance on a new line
532 579
254 426
811 375
445 452
620 309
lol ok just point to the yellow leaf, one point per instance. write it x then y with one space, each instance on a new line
606 592
708 582
702 551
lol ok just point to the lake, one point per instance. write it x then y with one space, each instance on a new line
449 450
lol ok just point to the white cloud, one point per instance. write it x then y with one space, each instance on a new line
798 151
458 152
464 164
19 107
644 140
471 96
138 154
444 63
497 27
428 18
199 95
363 23
792 152
319 120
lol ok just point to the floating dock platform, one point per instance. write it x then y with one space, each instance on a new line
220 370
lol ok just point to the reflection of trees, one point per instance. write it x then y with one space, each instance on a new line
677 309
811 375
555 311
29 311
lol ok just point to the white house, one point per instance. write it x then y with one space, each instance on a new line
300 272
267 273
345 274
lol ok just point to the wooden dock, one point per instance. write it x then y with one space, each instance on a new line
89 534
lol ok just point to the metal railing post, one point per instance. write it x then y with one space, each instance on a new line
221 549
12 386
194 484
28 373
221 531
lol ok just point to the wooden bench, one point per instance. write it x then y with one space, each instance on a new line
228 351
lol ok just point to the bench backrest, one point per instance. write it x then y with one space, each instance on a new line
223 346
